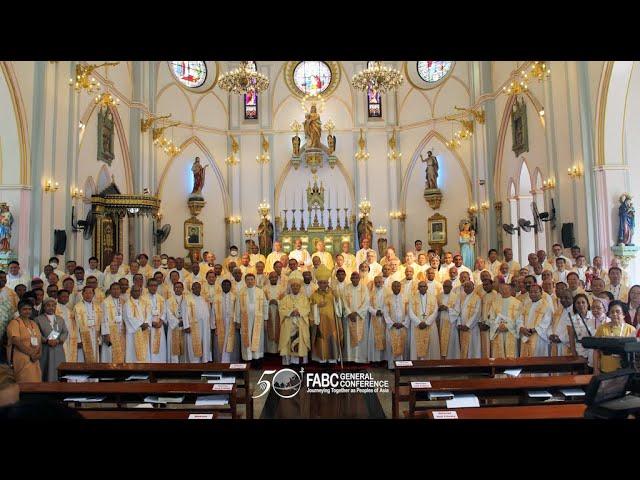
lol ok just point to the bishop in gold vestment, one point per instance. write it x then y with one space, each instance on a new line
295 342
326 330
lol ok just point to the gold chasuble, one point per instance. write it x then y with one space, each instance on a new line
445 324
504 311
71 345
329 329
294 330
220 323
377 320
423 312
116 334
398 335
141 338
194 326
488 298
80 312
257 319
274 293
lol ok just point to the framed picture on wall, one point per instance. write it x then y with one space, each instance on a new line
437 229
193 235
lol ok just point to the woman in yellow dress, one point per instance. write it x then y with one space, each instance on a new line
617 327
25 345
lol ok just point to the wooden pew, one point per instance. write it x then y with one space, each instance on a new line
520 412
163 371
132 392
486 388
480 366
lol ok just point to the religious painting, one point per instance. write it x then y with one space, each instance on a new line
106 132
519 127
374 103
437 229
193 234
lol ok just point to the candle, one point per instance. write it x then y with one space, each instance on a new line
328 198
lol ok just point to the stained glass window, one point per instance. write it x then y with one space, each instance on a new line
251 99
312 77
190 74
374 103
433 70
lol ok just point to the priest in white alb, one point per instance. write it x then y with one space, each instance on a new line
202 313
137 316
377 324
534 324
88 317
468 329
226 347
274 292
301 255
158 321
449 311
113 327
396 316
355 321
504 314
177 312
325 257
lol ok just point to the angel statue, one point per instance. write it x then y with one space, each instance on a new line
6 222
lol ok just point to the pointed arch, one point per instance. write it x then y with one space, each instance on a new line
168 87
433 134
211 161
524 179
122 140
21 120
202 97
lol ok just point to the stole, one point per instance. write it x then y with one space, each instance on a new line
379 329
220 325
556 349
504 343
118 339
422 335
70 347
528 348
85 335
445 324
157 332
194 324
465 337
356 329
398 335
257 319
141 337
176 334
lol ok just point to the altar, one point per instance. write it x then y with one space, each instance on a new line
315 223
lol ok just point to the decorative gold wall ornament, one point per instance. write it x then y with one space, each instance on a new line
478 114
147 123
264 155
107 100
377 77
393 153
235 148
362 153
84 80
243 79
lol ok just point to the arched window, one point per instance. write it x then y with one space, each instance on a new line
251 99
527 239
312 77
374 101
191 74
433 70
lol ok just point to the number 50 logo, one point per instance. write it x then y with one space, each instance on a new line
285 382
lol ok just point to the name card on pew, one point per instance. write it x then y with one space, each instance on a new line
420 384
225 387
404 363
445 415
201 416
238 365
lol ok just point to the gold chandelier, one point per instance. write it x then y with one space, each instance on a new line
377 77
107 100
166 144
84 80
243 79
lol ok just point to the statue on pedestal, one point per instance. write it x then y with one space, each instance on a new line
265 236
312 128
432 171
296 146
198 178
626 215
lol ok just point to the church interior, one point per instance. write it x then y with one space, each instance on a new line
103 161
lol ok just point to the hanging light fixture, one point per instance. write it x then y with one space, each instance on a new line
377 77
84 80
243 79
107 100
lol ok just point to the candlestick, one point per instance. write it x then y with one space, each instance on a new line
329 227
285 227
293 219
328 198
